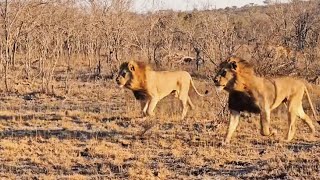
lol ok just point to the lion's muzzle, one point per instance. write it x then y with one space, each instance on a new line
216 82
119 82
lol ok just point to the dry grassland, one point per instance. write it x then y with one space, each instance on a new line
63 117
95 132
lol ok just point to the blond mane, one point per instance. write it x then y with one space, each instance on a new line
138 81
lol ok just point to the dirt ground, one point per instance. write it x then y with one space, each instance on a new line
97 132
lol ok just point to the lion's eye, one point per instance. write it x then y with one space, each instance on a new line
223 73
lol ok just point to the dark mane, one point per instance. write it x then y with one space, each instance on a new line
241 101
124 65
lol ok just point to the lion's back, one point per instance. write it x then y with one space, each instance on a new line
166 77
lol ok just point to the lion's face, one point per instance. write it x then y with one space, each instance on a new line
125 75
225 75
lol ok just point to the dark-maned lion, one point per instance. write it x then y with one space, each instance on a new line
152 86
248 92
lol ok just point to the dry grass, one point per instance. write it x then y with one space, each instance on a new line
95 132
63 118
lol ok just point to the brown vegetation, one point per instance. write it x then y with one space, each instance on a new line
62 115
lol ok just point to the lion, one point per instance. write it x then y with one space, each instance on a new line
152 86
248 92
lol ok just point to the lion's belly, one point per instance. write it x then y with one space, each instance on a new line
286 87
164 91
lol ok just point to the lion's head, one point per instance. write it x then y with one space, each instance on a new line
132 75
125 74
228 72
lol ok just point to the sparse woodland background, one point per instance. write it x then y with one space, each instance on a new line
44 44
62 116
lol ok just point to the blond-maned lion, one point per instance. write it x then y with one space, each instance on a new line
152 86
248 92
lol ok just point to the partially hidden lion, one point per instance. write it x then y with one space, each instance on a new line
248 92
152 86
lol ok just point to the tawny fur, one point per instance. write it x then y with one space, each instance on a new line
237 75
152 86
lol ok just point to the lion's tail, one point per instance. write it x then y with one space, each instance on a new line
192 84
311 105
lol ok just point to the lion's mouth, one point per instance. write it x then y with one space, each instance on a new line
219 87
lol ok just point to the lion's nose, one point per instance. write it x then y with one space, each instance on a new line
117 80
215 81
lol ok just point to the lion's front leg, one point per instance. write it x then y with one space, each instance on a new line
151 105
265 122
145 106
233 124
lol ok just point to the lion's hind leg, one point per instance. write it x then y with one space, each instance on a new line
184 108
306 119
295 109
190 103
183 96
292 114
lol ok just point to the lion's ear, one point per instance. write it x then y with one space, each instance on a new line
233 65
131 66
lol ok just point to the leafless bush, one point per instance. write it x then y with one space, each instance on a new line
40 39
